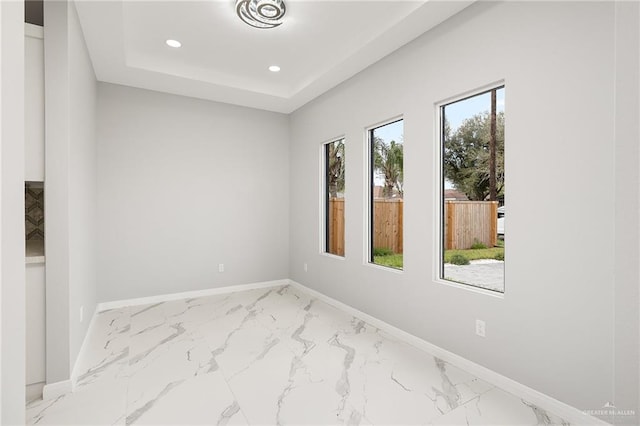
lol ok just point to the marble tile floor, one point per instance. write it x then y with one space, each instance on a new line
271 356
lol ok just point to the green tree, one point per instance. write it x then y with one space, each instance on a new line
389 162
335 168
466 156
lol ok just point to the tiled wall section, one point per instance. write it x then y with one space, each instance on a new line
34 212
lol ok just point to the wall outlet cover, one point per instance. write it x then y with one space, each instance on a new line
481 328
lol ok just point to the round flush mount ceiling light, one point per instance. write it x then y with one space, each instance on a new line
173 43
261 13
274 68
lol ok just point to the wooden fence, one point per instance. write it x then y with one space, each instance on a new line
387 224
467 222
336 226
387 219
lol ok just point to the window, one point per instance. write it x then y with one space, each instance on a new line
386 176
334 197
473 184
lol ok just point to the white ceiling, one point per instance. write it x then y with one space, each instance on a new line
320 44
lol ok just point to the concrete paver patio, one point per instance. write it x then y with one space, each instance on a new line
485 273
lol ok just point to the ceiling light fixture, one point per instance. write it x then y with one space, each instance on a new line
173 43
261 13
274 68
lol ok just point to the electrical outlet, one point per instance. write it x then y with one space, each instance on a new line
481 328
306 268
81 313
221 267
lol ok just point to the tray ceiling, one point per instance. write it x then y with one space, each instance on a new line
320 44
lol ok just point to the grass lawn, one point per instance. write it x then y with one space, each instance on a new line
392 260
395 260
474 254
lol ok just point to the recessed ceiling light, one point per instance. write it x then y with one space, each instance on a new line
274 68
173 43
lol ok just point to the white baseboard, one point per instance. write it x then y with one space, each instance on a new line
33 392
187 295
54 390
565 411
33 31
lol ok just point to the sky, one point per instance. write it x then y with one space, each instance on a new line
457 112
391 132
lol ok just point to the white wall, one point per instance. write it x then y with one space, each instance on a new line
627 231
35 323
34 171
70 180
34 103
184 185
82 186
56 57
554 328
12 249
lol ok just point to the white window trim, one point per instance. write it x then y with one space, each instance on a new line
322 213
438 177
367 249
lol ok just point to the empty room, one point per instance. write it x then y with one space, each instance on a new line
205 212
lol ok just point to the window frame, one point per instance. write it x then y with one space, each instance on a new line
369 193
439 190
324 198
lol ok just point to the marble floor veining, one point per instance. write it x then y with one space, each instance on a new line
273 356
